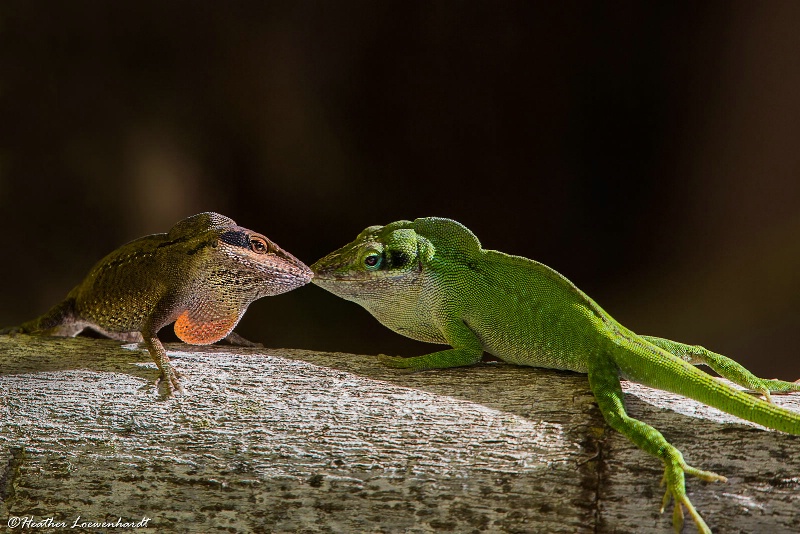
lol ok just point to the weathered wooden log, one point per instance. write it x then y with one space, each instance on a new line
278 440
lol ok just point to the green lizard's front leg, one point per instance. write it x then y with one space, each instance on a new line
726 367
604 381
467 350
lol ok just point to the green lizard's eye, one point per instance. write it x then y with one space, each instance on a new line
373 261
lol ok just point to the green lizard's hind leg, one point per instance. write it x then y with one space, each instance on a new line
467 350
604 381
726 367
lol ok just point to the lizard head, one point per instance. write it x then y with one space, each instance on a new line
398 250
236 259
380 264
257 264
388 270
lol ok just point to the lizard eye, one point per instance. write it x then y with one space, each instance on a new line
259 246
373 260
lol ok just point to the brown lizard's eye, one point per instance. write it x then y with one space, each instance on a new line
259 246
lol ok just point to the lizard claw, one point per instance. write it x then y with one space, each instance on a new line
676 490
391 361
397 362
235 339
677 512
170 382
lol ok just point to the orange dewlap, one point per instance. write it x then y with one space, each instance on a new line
204 332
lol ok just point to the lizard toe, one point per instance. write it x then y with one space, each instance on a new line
170 384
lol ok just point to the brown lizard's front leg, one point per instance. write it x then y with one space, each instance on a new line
169 375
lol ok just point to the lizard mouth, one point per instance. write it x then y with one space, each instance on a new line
326 269
328 276
337 272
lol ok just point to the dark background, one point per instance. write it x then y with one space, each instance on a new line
648 151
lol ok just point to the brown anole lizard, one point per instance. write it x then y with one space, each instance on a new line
202 275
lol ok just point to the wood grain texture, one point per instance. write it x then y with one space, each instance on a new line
279 440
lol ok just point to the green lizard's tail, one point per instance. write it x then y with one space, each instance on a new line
643 362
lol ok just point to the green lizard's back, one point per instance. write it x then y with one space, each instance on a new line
527 313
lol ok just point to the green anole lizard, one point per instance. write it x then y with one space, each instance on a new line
430 280
202 276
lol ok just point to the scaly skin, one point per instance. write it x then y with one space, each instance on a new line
202 276
430 280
